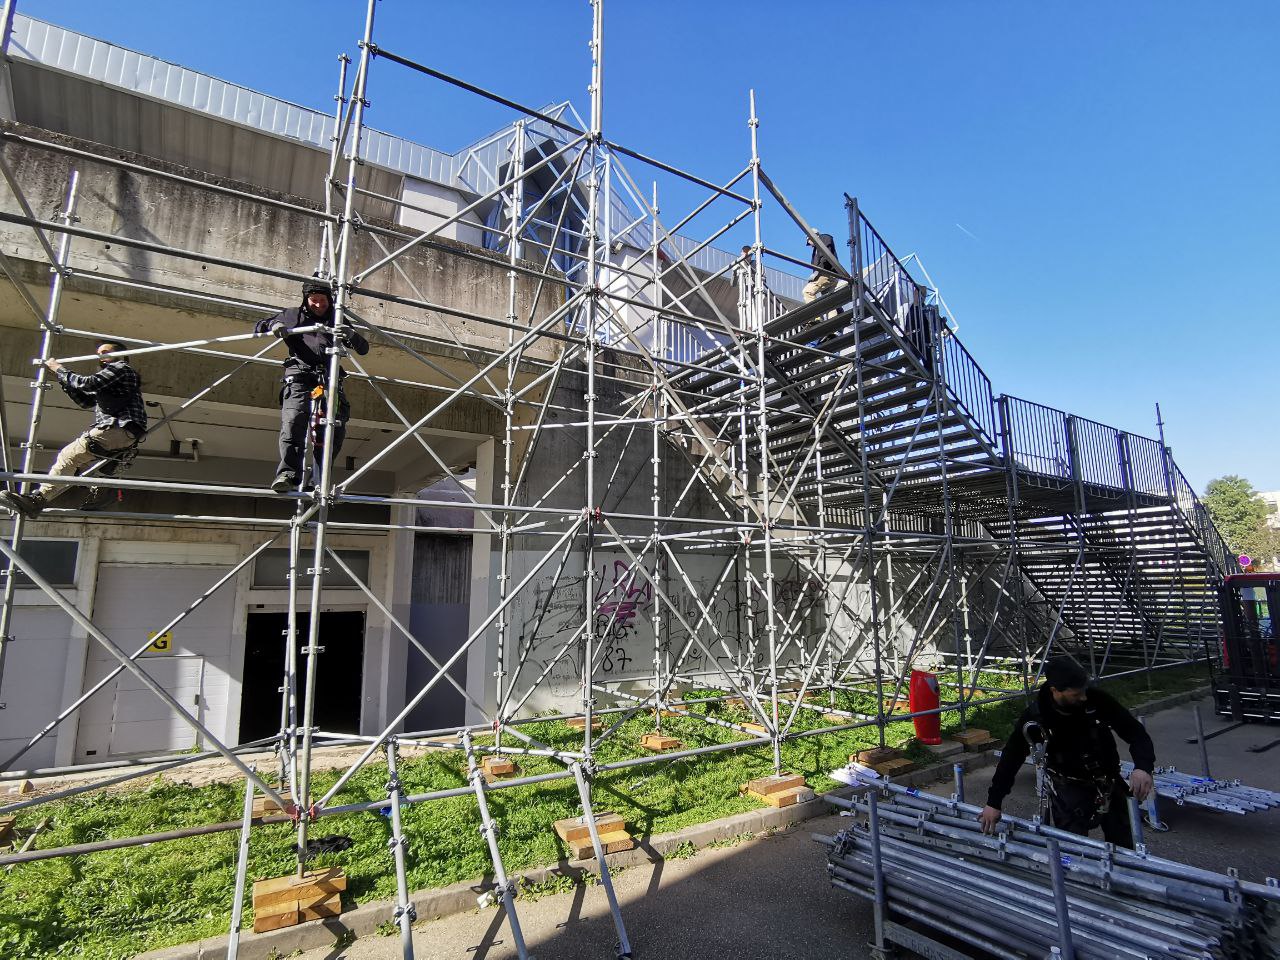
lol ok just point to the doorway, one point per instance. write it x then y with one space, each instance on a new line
338 674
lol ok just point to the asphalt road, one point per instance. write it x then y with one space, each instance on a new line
769 897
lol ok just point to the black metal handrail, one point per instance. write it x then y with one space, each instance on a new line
970 386
1053 443
905 302
1035 438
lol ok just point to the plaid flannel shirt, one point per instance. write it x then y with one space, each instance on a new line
114 392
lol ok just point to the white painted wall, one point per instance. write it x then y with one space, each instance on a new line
442 204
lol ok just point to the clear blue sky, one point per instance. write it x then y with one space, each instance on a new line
1093 184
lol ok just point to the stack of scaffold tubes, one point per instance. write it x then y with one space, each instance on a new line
1036 891
1228 796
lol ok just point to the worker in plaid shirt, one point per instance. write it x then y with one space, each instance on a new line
114 393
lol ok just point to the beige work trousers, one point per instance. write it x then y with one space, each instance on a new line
75 456
816 288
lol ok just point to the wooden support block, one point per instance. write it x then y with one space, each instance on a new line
756 728
764 786
6 829
894 768
312 887
292 912
900 706
876 755
494 768
672 713
614 841
975 740
285 915
264 806
736 703
21 787
657 742
580 723
574 829
784 798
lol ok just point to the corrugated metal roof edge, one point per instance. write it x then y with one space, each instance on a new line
56 48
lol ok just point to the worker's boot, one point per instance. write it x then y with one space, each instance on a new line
28 504
284 483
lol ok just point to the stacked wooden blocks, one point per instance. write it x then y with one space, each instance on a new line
780 790
886 761
577 835
657 742
6 831
496 768
287 901
264 806
975 740
580 723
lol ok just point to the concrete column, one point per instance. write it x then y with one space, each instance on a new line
482 659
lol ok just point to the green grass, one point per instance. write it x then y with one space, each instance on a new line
113 904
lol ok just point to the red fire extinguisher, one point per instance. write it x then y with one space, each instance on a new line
923 695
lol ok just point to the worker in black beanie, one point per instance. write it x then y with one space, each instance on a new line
1082 765
306 369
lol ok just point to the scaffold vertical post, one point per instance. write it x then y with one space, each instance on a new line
41 385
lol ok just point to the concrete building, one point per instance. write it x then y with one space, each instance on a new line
69 100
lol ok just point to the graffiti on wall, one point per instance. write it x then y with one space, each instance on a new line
627 615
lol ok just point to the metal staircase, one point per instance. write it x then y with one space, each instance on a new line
866 410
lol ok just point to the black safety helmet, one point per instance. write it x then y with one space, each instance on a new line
317 285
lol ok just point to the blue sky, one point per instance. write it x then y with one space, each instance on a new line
1093 185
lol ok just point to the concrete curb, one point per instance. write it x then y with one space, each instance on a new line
1173 700
431 904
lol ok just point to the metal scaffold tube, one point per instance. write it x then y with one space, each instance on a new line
58 265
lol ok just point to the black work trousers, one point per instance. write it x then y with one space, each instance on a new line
295 409
1074 806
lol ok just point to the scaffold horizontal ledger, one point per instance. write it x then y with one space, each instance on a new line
838 496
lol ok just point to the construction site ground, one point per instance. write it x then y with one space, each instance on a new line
768 896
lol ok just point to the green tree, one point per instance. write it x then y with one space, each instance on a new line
1241 517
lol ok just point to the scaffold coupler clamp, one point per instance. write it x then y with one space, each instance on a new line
588 767
844 844
393 785
408 910
400 841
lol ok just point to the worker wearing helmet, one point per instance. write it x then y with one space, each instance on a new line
306 368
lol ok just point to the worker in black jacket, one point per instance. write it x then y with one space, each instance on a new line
1082 766
307 368
114 394
826 272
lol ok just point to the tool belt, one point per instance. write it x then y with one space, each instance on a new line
312 376
120 455
1099 787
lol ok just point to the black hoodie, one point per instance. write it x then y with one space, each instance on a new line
307 351
1080 741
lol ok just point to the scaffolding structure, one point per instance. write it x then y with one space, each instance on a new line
838 496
